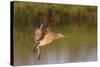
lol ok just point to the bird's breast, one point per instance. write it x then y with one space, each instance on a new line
46 40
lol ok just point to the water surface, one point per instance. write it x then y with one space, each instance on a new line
81 46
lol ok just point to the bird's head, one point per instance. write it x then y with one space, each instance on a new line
59 35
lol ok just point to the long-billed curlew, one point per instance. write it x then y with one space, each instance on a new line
44 36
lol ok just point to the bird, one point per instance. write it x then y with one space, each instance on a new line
44 35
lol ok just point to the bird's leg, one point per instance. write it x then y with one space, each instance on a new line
34 49
38 53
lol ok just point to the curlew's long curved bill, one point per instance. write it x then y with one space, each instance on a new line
66 37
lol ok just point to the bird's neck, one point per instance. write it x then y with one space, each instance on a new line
57 37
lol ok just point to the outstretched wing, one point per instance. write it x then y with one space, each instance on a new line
44 27
41 30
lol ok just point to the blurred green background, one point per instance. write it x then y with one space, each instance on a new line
77 22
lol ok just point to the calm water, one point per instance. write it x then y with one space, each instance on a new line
79 47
